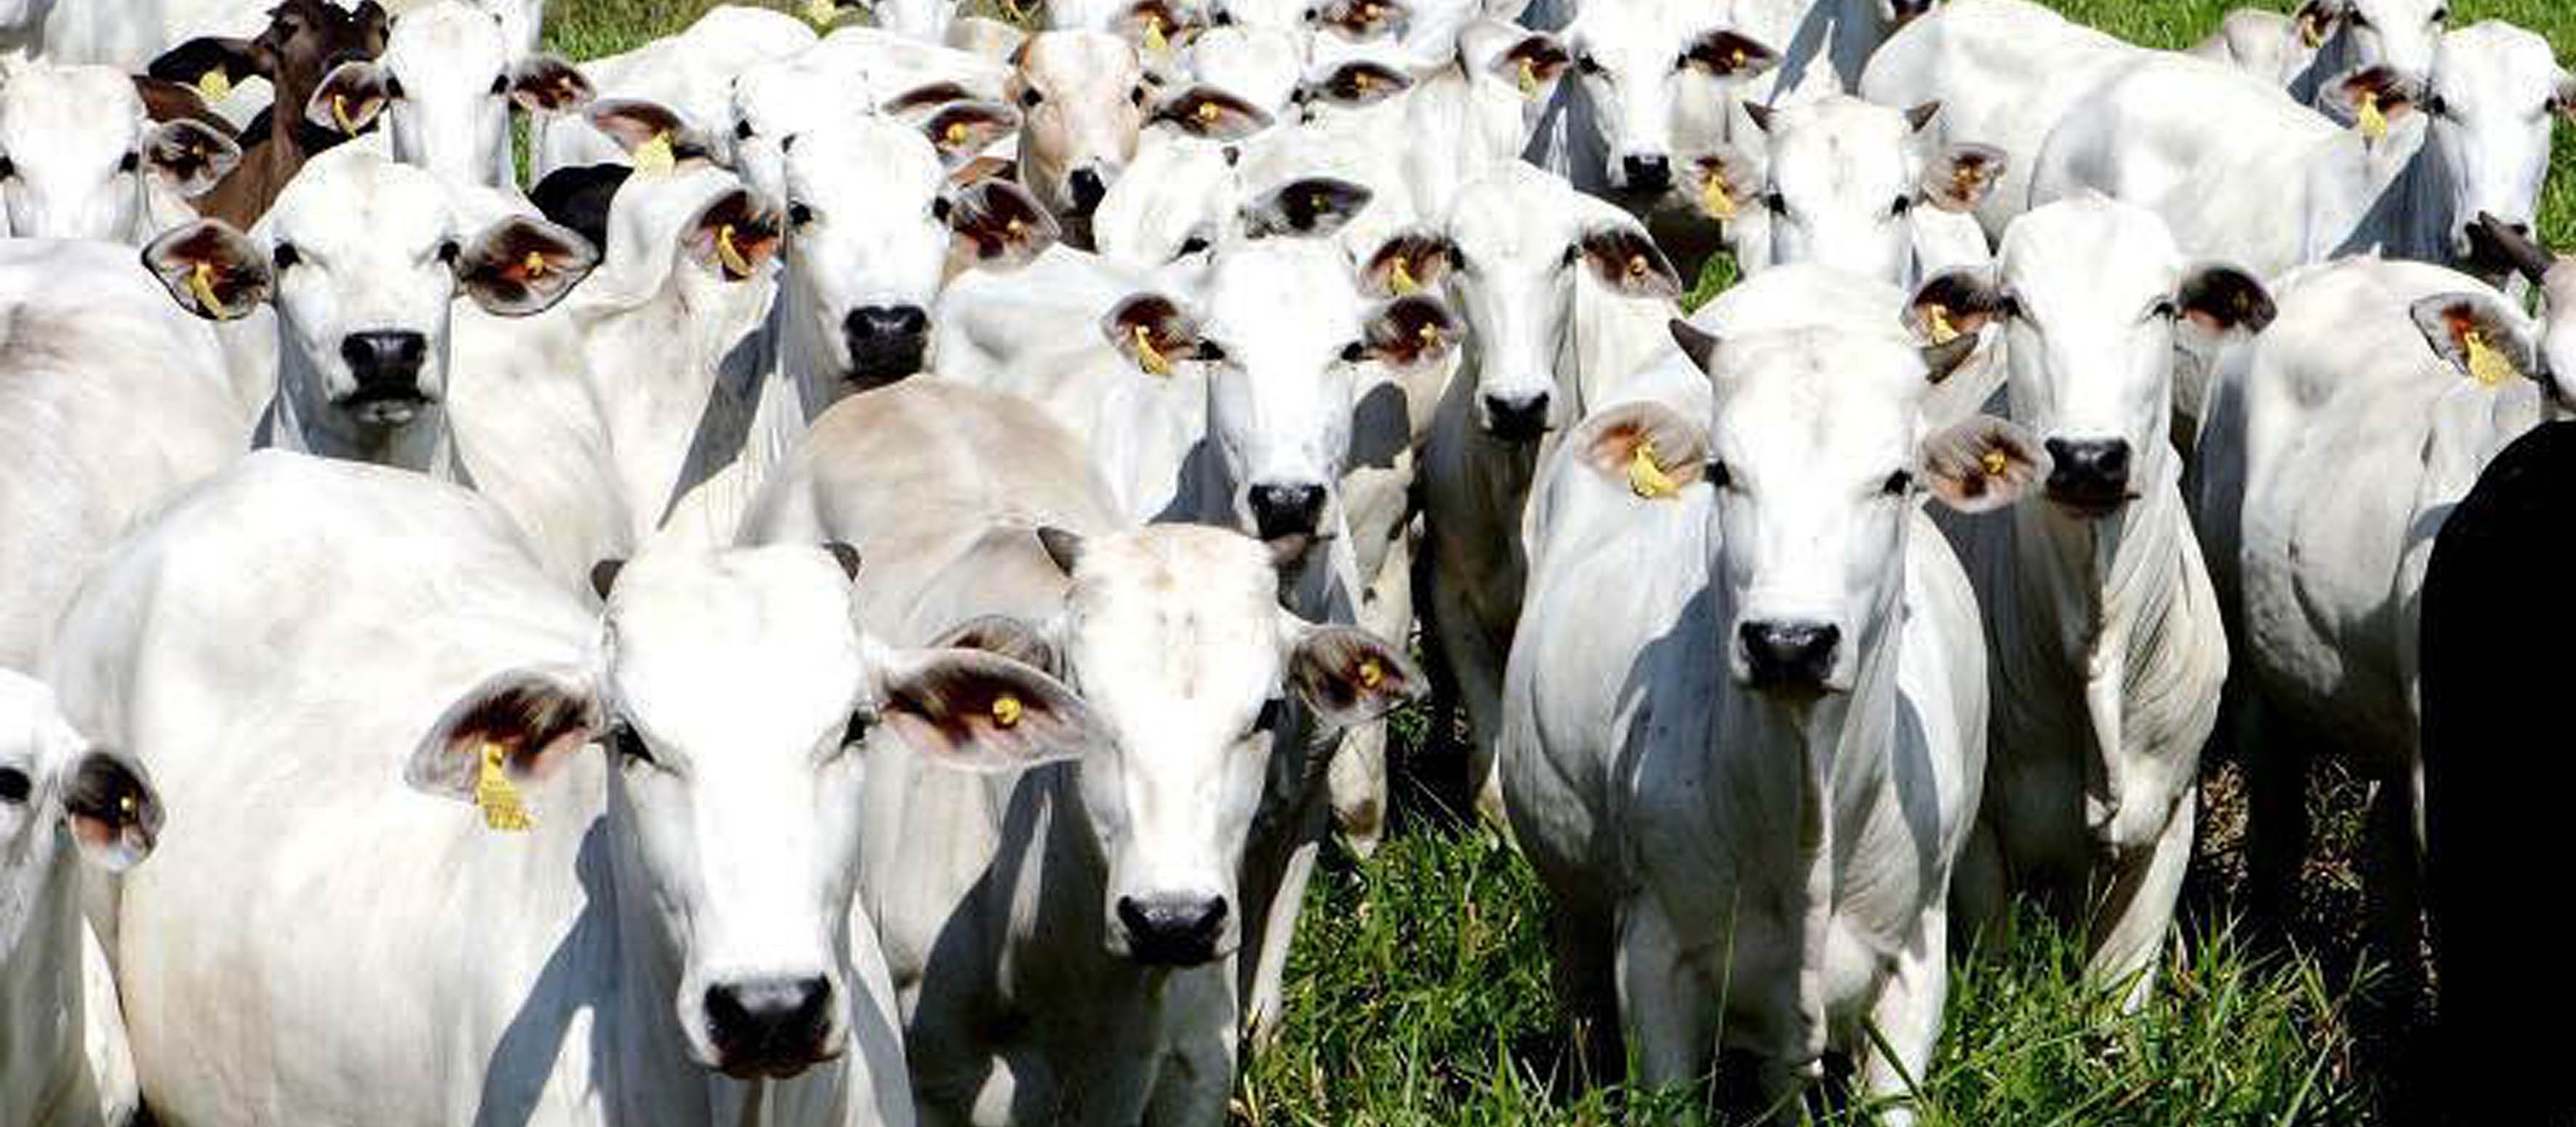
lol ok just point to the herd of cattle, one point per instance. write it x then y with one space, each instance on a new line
870 605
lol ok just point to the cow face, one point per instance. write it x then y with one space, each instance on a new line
2098 303
2496 91
1817 455
1173 206
1261 66
362 259
1843 179
78 155
735 706
444 89
873 231
1656 79
1173 636
1084 96
2397 33
57 791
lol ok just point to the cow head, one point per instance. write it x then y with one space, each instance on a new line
2496 90
1258 66
60 797
2362 33
1819 457
2489 339
735 707
1084 96
445 86
1843 179
363 259
1656 76
304 41
1174 637
79 155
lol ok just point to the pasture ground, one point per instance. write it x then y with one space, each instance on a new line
1419 989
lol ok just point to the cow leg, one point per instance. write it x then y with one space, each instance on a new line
1264 997
1668 1011
2129 927
1583 940
2276 781
1981 892
1908 1017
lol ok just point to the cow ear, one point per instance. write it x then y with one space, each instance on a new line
2370 99
1355 85
1699 345
543 84
2479 334
1650 448
525 723
732 235
1626 261
519 266
1533 64
974 711
654 136
1363 19
998 225
191 157
211 269
1316 205
960 130
1981 464
1152 333
1212 114
2218 299
1408 263
1920 117
230 60
1961 176
1349 676
2315 20
1411 333
350 98
112 809
927 96
1955 304
1729 55
1151 26
1015 638
1728 181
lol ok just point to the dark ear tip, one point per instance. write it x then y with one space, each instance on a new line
603 576
844 555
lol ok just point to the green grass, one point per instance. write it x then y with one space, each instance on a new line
1419 988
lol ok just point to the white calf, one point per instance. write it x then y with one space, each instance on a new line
80 159
450 74
1852 185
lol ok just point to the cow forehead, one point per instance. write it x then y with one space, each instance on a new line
446 39
2089 252
792 96
1840 141
743 636
863 156
1077 58
350 197
1176 612
1284 288
1801 400
2495 63
1639 31
1521 214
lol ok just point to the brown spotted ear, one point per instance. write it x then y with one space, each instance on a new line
1982 464
350 98
1650 448
164 100
235 60
2564 101
999 225
960 130
974 711
1921 116
1362 19
1729 181
2380 94
520 266
2481 335
548 84
1153 26
1354 85
1017 639
1534 64
1408 263
190 157
732 235
1959 178
929 95
1699 345
1955 304
1410 333
1314 206
2315 20
1153 334
650 132
1350 676
112 809
211 269
1729 55
980 169
1624 259
529 720
2220 299
1902 12
1212 114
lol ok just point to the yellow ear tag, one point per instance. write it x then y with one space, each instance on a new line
1646 476
1154 40
1401 280
729 255
2486 365
2373 124
1995 462
1713 198
1529 79
1430 334
1937 317
1147 356
1208 112
340 114
655 157
821 13
534 266
2311 35
127 804
201 283
1372 674
215 85
1737 59
1638 266
498 796
1007 711
955 134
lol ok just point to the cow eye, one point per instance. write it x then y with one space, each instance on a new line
1209 351
8 169
1223 19
1777 204
742 130
862 722
1897 483
1271 712
2441 15
799 214
15 786
1136 96
394 90
1902 205
1717 475
447 252
1353 353
2359 20
2435 106
1587 64
629 746
284 256
129 163
939 208
500 84
2165 309
1192 245
1030 98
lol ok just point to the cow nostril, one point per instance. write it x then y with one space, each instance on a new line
1648 173
1175 931
1792 655
1287 510
1516 418
769 1026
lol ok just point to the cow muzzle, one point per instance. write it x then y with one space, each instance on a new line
1287 509
774 1027
385 364
1515 418
1647 172
2089 477
1789 658
886 342
1175 931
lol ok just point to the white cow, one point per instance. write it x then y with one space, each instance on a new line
63 800
450 74
112 401
2303 50
1765 835
2106 642
1084 97
80 159
1108 999
658 929
691 72
1852 185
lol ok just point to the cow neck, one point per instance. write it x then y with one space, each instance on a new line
661 415
2398 212
426 444
41 985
